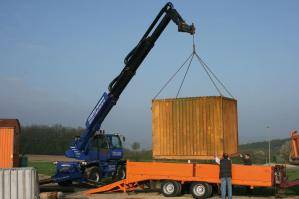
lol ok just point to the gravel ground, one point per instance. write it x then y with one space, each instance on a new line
77 192
155 195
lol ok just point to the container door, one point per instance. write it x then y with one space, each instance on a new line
6 147
230 125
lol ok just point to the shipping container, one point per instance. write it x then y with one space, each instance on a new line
195 128
9 143
19 183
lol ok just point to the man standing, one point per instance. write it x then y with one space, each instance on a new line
225 175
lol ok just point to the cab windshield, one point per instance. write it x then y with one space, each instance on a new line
99 142
115 141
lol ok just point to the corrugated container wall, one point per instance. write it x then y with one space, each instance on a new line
194 128
9 143
19 183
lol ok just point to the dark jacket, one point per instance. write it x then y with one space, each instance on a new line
225 168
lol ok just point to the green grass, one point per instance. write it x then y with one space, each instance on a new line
45 168
293 173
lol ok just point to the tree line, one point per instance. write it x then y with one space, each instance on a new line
47 140
54 140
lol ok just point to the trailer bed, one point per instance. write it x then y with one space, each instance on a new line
137 172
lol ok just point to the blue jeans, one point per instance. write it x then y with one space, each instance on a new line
226 182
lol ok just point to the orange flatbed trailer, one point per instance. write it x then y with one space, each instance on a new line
207 174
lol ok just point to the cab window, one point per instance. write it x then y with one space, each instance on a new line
94 144
103 142
99 142
115 142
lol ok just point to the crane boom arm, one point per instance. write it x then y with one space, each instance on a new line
132 61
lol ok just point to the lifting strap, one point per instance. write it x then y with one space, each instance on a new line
169 80
184 76
212 76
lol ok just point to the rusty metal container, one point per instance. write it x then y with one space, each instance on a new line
195 128
9 143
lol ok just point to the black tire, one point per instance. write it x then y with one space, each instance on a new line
65 183
210 190
171 188
120 174
180 188
199 190
93 174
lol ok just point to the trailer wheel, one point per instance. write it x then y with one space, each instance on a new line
199 190
93 174
210 190
171 188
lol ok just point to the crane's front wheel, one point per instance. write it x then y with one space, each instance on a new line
120 173
93 174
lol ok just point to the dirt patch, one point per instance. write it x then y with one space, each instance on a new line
48 158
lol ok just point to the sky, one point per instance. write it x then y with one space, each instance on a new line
58 57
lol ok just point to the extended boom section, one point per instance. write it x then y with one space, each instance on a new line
101 154
132 61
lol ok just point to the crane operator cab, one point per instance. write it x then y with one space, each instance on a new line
103 158
105 147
